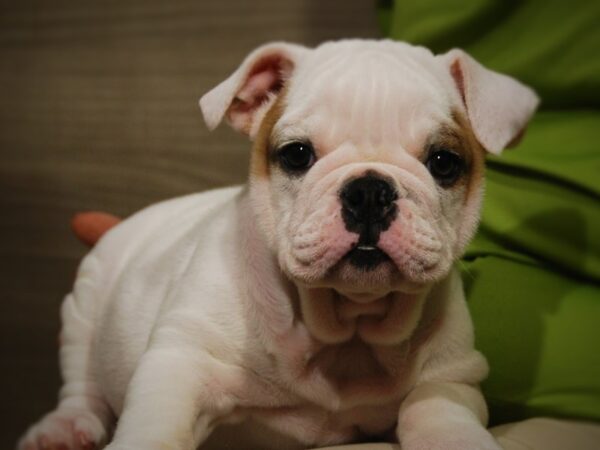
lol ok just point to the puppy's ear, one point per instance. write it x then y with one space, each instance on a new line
242 97
498 106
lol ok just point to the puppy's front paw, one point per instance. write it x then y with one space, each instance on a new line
450 438
65 429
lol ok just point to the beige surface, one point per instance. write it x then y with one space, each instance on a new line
549 434
533 434
99 111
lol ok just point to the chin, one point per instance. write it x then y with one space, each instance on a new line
348 277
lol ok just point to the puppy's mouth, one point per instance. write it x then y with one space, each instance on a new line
366 256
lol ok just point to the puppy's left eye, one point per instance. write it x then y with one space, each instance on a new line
296 156
445 166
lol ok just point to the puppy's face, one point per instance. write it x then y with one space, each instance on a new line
366 170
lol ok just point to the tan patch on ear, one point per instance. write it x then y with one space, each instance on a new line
259 160
475 155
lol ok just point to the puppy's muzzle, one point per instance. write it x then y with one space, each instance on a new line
368 208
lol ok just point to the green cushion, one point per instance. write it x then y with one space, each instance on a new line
532 273
533 269
539 331
542 199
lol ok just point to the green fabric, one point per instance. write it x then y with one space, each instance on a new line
542 198
539 331
532 273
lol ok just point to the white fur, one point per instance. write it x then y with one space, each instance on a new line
217 312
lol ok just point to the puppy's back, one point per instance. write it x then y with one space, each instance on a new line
131 272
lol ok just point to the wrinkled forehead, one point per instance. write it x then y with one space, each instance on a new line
372 94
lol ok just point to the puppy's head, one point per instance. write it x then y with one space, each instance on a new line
368 156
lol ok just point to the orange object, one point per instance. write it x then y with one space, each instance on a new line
90 226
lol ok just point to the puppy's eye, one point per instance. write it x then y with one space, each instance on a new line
296 156
445 166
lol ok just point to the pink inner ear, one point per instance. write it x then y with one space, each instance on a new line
265 78
457 74
257 86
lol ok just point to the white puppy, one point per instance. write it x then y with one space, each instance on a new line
318 304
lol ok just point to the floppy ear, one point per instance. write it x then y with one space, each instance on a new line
498 106
242 97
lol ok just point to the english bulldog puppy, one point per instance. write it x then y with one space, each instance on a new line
318 304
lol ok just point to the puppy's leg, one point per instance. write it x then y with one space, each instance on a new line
82 419
175 397
444 416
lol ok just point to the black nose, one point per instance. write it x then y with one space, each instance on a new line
367 200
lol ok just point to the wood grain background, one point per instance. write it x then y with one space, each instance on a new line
98 110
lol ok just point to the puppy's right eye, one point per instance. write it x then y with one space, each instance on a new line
445 166
296 156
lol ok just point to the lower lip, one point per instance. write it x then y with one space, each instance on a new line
366 257
361 297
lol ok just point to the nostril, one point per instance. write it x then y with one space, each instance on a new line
383 198
387 196
355 198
